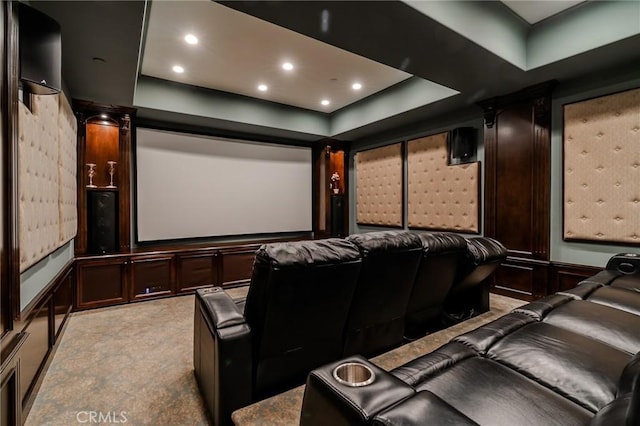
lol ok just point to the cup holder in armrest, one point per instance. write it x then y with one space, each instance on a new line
354 374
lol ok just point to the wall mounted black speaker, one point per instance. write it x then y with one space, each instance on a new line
102 222
337 215
40 52
462 145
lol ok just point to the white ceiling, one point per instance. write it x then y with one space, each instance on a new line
237 52
536 11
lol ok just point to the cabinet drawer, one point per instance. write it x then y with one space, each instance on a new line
196 270
151 277
236 266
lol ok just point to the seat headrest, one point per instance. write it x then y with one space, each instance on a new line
386 241
485 250
303 253
625 263
442 242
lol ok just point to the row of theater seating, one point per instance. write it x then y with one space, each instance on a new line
572 358
312 302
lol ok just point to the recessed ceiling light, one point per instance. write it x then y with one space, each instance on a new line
356 86
287 66
104 116
263 87
178 69
191 39
325 102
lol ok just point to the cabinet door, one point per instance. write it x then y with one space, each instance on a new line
196 270
236 266
101 282
152 277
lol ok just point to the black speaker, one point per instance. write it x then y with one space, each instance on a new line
102 222
40 52
337 215
462 145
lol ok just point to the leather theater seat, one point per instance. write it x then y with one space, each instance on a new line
294 320
390 261
560 360
442 255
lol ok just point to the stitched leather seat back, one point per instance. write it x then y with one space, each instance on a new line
484 255
390 261
297 308
441 256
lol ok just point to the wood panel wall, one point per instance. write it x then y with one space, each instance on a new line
517 188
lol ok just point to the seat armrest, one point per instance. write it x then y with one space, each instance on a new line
329 402
221 354
424 408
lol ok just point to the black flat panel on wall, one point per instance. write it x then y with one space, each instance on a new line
462 145
40 52
102 222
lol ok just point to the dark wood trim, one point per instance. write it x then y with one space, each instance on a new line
542 176
538 99
10 376
12 75
563 276
124 200
6 284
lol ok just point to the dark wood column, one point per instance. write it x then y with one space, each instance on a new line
517 187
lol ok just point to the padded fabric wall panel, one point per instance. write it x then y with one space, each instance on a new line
38 179
46 177
441 197
379 175
602 169
67 192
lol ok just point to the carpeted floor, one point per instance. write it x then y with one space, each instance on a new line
134 363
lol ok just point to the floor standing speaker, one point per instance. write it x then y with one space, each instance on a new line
337 215
102 222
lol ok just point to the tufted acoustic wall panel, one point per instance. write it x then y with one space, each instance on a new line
602 169
67 193
40 157
441 197
379 174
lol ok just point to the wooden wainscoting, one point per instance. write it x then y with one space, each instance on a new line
564 276
38 331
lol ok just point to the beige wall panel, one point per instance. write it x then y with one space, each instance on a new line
38 179
602 169
379 186
67 152
441 197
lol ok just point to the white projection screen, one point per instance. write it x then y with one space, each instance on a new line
192 186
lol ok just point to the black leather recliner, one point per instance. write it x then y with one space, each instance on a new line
390 261
442 254
469 293
293 321
559 360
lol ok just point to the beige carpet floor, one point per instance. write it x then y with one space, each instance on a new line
135 362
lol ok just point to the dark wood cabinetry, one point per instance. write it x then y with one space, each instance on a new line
517 189
123 278
196 270
104 136
151 276
235 266
330 178
102 282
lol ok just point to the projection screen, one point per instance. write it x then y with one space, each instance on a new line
192 186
